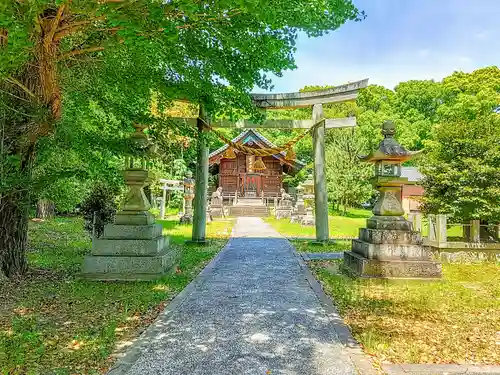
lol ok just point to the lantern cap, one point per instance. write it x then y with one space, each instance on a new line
389 149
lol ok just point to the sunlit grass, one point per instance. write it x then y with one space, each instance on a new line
340 226
455 320
53 322
309 247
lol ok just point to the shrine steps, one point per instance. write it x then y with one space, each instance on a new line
249 207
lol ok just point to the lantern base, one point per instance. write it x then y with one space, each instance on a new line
134 218
389 248
400 269
129 252
388 223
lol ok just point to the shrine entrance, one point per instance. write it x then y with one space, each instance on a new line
248 176
317 126
251 186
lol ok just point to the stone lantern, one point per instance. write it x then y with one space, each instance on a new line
387 160
188 183
133 247
389 247
135 207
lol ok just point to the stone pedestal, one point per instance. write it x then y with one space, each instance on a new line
217 210
129 252
283 212
308 218
284 209
217 204
389 248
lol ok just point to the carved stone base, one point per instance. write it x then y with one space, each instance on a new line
307 220
186 219
296 218
374 268
282 213
388 248
216 210
134 218
389 223
129 252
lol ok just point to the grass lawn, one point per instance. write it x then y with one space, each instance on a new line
308 247
53 323
456 320
340 226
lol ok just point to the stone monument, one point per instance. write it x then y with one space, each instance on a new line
133 247
299 209
216 204
187 217
389 247
284 208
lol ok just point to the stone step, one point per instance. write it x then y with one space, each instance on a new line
140 232
128 268
374 268
130 247
390 251
256 211
379 236
249 202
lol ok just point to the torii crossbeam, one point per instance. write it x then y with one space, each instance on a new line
316 99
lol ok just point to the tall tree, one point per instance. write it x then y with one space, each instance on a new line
55 55
462 158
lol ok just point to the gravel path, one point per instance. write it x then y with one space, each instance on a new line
250 312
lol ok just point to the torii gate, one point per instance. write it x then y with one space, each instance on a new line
316 99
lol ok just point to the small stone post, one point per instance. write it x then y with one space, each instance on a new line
163 200
432 235
475 230
416 219
441 230
320 192
200 197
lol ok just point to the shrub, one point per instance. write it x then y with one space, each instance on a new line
101 201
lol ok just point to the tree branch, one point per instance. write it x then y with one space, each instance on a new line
20 85
55 24
77 52
4 37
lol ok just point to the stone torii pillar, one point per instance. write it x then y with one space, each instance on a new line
201 184
320 192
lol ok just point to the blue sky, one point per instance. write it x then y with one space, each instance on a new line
398 41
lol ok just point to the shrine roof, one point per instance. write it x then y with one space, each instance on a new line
252 135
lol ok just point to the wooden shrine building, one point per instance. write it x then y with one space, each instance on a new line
238 174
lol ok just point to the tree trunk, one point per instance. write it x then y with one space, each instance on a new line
14 234
45 209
